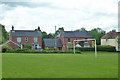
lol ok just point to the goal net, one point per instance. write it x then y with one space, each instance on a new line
85 42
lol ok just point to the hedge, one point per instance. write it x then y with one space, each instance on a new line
40 51
27 46
106 48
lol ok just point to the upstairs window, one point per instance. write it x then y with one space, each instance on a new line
76 39
86 39
19 39
35 39
69 39
26 39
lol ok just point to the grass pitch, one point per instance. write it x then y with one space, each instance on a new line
60 65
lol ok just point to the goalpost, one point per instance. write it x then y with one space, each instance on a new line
84 40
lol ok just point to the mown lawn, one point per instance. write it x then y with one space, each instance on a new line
60 65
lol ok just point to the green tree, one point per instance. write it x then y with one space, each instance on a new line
4 35
59 30
97 33
51 35
44 34
113 30
119 39
82 29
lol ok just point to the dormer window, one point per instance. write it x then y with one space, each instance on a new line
26 39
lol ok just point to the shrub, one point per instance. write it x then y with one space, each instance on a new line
6 48
40 51
107 48
27 46
49 49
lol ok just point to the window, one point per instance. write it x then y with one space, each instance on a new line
106 40
35 39
86 39
26 39
69 40
76 39
19 39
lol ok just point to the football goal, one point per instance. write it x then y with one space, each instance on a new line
87 46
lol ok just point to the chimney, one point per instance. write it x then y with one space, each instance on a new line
12 27
63 29
39 28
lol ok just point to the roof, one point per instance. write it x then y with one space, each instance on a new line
25 33
8 42
111 35
51 42
76 34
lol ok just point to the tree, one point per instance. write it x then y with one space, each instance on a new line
119 39
50 35
113 30
4 35
97 33
44 34
59 30
82 29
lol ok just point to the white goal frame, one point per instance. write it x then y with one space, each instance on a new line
84 40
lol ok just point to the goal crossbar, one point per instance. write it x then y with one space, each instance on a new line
84 40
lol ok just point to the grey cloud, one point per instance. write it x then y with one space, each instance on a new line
33 4
28 4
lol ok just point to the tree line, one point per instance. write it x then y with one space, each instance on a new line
97 33
3 34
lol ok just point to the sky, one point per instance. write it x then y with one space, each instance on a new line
70 14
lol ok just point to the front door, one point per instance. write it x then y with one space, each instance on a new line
36 46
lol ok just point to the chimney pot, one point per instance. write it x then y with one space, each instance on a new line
12 27
39 28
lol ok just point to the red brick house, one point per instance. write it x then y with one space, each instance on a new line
68 37
22 37
13 45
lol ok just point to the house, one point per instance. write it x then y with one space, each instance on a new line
22 37
12 44
68 37
111 39
52 43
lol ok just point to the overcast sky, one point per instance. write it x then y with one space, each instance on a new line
70 14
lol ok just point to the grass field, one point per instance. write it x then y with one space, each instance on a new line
60 65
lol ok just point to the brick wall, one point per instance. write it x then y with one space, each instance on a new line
13 46
30 40
65 41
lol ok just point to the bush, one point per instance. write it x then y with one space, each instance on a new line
49 49
40 51
6 48
27 46
107 48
